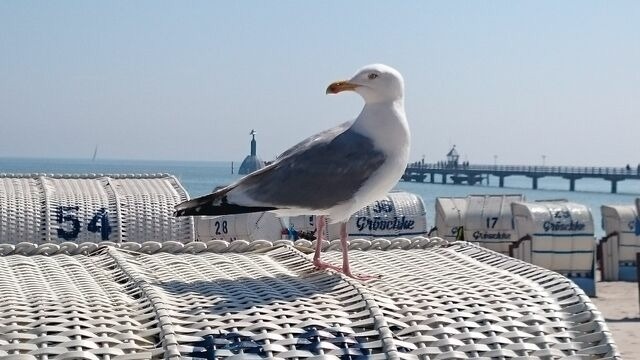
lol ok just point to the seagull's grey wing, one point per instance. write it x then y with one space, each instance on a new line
319 173
322 137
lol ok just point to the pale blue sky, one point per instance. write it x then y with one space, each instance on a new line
189 80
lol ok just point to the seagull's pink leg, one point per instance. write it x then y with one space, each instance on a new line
319 264
346 268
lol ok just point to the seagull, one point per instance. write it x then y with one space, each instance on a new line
331 174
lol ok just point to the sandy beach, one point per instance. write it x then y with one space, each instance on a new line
618 303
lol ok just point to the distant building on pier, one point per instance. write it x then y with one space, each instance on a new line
252 162
452 158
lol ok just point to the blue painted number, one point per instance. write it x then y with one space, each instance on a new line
103 227
67 217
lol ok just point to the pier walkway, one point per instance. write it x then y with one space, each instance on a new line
472 174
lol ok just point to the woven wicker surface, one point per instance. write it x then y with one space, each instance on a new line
434 301
43 208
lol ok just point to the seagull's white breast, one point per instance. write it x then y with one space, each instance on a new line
386 125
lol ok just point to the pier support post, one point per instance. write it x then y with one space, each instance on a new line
614 186
572 184
433 178
501 181
535 183
444 178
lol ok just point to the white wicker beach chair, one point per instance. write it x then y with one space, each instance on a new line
146 291
41 208
216 300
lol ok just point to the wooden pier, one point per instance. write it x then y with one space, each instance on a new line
472 174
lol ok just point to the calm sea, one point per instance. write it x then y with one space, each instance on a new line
200 178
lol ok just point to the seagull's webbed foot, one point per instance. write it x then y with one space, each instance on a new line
321 265
364 277
361 277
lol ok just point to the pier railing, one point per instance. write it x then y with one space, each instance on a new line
578 170
472 174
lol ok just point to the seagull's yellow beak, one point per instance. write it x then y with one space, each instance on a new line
339 86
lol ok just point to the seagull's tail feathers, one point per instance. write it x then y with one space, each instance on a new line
214 204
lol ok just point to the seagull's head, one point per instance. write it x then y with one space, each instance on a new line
375 83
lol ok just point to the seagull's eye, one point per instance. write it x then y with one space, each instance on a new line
372 76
